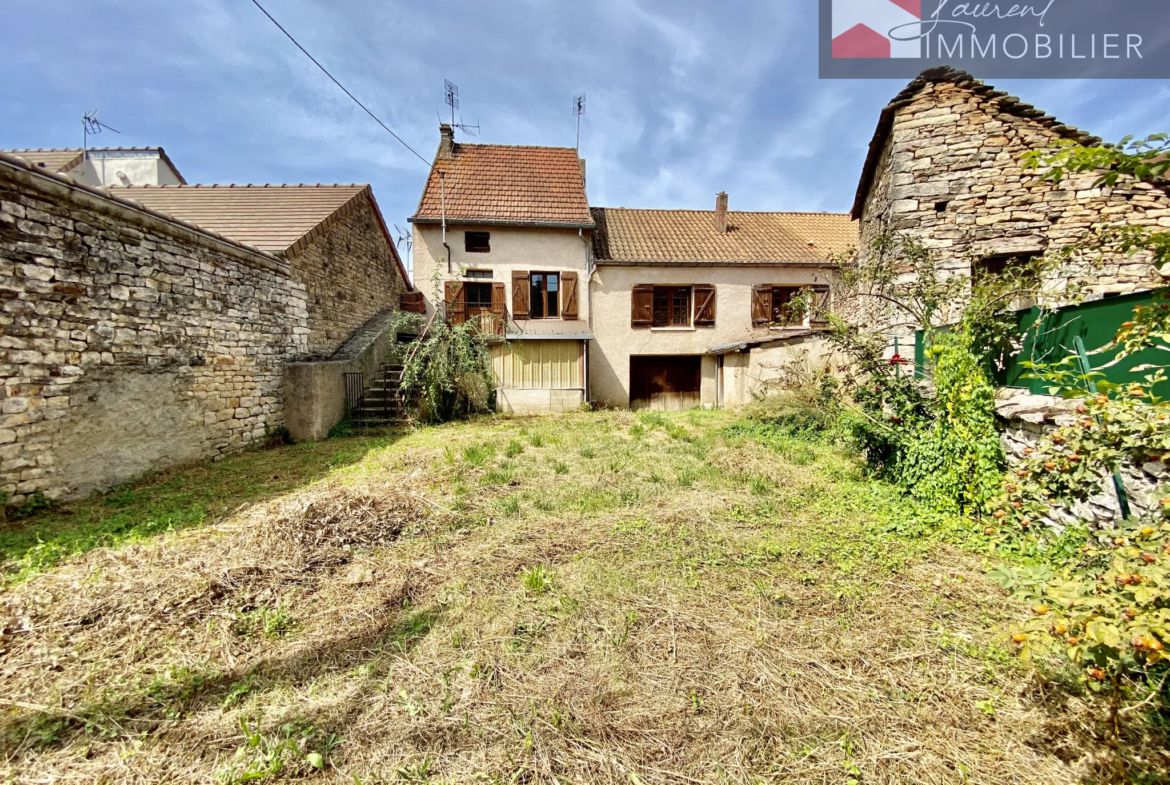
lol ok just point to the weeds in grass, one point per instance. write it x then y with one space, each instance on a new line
271 622
513 449
504 474
685 477
560 467
587 452
509 505
478 454
536 579
536 439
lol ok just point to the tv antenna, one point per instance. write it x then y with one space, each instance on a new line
578 110
451 98
405 239
90 124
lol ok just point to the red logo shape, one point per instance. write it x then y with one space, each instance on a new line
864 42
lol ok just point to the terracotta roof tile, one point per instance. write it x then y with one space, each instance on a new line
690 236
51 160
271 217
507 184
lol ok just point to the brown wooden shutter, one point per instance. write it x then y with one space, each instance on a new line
761 304
642 305
568 295
704 305
820 305
520 294
456 297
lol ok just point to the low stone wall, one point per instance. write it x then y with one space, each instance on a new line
315 399
1024 419
129 342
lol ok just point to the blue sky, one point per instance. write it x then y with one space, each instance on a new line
686 97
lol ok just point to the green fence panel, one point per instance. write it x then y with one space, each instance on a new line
1048 337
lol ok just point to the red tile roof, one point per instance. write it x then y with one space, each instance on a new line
690 236
506 184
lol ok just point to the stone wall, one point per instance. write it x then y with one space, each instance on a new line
951 173
1024 419
351 273
129 342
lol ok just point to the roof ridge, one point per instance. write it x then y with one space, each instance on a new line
742 212
209 186
515 146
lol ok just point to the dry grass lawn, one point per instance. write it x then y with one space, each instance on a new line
588 598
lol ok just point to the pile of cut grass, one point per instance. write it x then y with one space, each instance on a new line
595 598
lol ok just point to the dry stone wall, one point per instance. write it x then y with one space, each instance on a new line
129 343
351 274
951 173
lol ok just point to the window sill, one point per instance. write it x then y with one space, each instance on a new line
672 329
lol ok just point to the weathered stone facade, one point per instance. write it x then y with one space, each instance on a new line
946 165
350 271
1025 419
129 342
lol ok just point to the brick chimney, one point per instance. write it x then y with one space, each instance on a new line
446 141
721 212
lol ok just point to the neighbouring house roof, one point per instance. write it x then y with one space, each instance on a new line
279 219
748 344
691 237
22 163
1007 103
506 184
64 159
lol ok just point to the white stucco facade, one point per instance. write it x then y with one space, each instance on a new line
616 340
541 386
125 167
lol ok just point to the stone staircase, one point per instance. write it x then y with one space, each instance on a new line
380 403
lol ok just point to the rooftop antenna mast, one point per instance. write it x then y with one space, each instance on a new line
90 124
451 98
405 239
578 110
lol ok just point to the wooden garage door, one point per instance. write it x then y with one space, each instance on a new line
665 383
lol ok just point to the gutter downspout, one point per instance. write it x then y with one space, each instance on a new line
589 294
443 208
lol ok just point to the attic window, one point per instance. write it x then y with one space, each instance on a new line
477 242
479 274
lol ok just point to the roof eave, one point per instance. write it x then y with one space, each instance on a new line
503 222
744 263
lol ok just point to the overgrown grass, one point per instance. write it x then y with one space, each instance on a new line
660 598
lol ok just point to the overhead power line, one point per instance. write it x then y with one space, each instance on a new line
339 84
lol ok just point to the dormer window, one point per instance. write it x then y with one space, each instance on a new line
477 242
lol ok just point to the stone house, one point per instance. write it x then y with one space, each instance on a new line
333 237
502 237
945 165
137 333
107 166
692 307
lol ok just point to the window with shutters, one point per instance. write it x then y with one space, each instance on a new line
479 295
787 305
544 295
672 306
477 242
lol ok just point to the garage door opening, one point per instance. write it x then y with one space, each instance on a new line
665 383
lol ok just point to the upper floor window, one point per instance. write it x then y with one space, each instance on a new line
477 242
672 306
790 306
545 296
